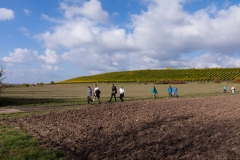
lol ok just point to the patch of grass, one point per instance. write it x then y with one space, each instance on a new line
16 144
15 115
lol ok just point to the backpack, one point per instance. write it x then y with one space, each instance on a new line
98 91
115 89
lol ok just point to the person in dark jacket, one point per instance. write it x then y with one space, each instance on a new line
114 92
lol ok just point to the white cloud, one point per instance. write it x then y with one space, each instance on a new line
18 76
96 61
91 9
165 31
115 14
46 17
20 56
50 67
50 57
79 28
215 60
226 4
6 14
24 31
26 11
72 34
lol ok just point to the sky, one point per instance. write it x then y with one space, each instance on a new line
55 40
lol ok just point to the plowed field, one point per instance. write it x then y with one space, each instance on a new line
175 128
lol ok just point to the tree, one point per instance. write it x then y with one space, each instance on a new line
1 77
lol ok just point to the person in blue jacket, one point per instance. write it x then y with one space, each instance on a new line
154 92
224 89
175 91
169 91
89 95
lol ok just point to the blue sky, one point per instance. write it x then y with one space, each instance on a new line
54 40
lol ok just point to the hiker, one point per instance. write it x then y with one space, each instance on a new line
169 91
175 91
121 91
114 92
96 94
154 92
233 89
224 89
89 95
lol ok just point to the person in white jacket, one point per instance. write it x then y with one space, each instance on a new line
96 94
121 90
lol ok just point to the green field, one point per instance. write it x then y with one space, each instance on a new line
189 75
60 94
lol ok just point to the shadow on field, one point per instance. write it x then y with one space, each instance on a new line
162 139
5 101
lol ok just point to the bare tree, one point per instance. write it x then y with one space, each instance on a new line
1 77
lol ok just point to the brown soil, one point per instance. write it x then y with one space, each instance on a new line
176 128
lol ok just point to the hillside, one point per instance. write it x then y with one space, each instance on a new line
206 74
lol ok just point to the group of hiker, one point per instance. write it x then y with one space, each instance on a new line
96 94
172 92
225 89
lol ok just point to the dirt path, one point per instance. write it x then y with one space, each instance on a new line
36 108
9 110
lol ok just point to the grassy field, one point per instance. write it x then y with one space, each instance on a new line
76 93
16 144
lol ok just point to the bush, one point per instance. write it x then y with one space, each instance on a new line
25 85
31 85
39 84
237 80
217 80
166 81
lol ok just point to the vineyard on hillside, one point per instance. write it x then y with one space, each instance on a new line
189 75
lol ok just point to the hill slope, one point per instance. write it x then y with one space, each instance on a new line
207 74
